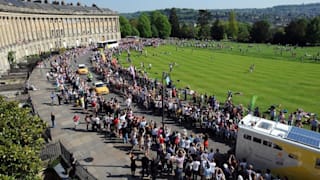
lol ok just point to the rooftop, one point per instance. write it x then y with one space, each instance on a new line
54 8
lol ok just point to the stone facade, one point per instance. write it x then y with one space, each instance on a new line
30 28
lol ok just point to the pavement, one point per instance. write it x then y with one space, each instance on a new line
103 157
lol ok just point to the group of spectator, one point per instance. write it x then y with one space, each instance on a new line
178 153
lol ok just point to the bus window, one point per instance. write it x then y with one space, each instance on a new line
292 156
267 143
246 136
277 147
257 140
318 163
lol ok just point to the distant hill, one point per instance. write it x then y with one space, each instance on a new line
277 15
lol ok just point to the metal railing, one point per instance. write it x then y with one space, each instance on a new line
56 149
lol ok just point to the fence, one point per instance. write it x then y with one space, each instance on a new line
54 150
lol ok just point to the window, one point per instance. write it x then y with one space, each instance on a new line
246 136
318 163
267 143
257 140
292 156
265 125
275 146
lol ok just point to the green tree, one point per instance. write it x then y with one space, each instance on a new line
313 31
174 21
260 32
135 32
217 30
155 32
125 26
279 36
296 32
161 23
232 26
20 141
12 57
144 26
134 23
204 16
244 32
188 31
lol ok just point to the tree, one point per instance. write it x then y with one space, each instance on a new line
174 21
134 23
125 26
155 32
217 30
12 57
161 23
244 32
20 141
144 26
313 31
188 31
295 32
232 26
204 17
260 32
279 36
135 32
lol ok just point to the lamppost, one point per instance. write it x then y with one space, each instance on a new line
162 96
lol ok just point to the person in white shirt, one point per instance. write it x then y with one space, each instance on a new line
195 168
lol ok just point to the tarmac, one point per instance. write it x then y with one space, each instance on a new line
103 157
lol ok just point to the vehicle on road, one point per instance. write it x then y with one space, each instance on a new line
82 69
101 88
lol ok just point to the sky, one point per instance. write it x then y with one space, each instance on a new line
128 6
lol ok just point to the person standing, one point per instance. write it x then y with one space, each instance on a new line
133 164
145 165
52 96
53 118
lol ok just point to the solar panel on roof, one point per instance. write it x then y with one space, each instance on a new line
304 136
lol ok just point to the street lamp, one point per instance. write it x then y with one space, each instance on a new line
162 96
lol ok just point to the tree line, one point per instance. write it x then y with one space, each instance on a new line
300 31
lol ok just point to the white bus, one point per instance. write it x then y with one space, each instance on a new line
108 44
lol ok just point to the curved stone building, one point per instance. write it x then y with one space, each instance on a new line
33 26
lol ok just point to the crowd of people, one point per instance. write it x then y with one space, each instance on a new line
177 153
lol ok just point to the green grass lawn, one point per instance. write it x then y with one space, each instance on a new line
293 81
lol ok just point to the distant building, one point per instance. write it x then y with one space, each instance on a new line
29 27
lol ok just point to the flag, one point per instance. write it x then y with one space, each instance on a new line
132 71
167 80
253 102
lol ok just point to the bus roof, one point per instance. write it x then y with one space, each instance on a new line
280 130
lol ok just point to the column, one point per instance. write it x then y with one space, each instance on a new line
42 28
9 32
96 25
20 30
87 26
83 26
23 26
34 29
64 27
46 27
2 40
16 30
69 27
26 22
101 25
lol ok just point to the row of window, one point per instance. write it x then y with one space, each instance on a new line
264 142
